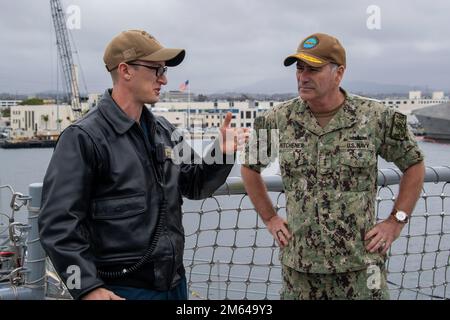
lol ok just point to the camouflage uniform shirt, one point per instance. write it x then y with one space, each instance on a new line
330 178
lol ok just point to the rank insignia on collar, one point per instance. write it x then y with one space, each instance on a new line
168 152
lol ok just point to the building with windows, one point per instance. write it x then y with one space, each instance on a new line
416 101
177 96
210 114
9 103
32 120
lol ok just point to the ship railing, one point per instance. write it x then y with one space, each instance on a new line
229 254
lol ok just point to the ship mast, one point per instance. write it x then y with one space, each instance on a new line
66 58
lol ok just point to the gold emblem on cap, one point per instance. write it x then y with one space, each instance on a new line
309 58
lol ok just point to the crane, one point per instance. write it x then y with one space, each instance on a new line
66 58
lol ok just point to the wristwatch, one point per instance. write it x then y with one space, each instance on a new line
400 216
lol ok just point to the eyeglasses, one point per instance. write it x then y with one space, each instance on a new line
160 70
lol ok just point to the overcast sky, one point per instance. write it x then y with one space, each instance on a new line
232 44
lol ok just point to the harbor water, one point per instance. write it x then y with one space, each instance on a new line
20 167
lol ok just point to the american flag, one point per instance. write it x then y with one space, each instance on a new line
184 85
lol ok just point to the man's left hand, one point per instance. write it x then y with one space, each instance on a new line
232 139
383 235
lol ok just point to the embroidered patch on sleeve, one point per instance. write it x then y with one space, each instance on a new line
398 128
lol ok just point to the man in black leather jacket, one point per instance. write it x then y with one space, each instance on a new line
111 218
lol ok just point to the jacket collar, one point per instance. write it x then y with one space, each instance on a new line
344 118
118 119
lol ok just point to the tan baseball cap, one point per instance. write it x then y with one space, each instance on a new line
139 45
318 50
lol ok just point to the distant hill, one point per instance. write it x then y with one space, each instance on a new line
382 88
270 86
289 85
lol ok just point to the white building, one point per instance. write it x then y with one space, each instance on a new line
4 122
9 103
31 120
438 95
210 114
178 96
416 101
178 119
415 95
93 99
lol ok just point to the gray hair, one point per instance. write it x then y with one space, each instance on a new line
334 67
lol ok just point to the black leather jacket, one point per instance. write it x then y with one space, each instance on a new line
102 195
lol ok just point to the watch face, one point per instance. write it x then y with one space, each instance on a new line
400 215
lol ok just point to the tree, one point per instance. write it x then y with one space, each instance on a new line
32 102
58 124
201 98
6 112
44 118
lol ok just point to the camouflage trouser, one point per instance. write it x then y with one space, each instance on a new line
367 284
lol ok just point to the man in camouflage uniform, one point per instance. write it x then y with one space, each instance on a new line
329 141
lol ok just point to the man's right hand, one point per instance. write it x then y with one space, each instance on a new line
257 191
101 294
279 229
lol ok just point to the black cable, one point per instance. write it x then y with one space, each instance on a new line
158 157
148 253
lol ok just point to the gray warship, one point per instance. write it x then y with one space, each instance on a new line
435 121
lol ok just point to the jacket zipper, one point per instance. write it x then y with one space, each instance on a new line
161 184
149 155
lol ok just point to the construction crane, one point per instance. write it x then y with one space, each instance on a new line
66 58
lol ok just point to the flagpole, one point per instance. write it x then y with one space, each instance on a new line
189 106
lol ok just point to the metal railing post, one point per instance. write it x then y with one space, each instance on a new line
35 261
